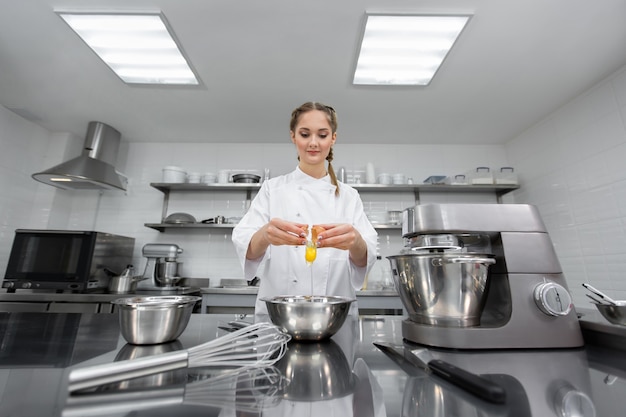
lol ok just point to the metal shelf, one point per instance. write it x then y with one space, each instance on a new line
499 189
161 227
167 187
249 188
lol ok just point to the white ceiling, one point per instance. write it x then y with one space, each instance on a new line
516 61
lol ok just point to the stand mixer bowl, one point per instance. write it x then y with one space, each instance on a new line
442 289
168 272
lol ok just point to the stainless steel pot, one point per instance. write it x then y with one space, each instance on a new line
125 282
443 289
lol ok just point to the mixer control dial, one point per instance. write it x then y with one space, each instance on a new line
553 299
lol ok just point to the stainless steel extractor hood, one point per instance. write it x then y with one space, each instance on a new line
94 168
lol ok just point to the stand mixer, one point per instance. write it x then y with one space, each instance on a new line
521 302
162 268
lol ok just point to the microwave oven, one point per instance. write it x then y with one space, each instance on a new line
66 260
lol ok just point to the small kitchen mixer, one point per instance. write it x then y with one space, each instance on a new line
521 302
162 267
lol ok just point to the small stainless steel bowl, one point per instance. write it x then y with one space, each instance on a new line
614 314
308 317
152 320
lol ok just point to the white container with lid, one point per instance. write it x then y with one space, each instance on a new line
209 178
506 176
482 175
384 178
193 178
174 174
399 179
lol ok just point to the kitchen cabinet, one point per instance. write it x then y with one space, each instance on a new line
168 189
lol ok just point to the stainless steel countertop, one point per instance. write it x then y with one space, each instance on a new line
255 290
38 350
44 296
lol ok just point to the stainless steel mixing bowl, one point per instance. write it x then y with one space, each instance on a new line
614 314
308 317
151 320
442 289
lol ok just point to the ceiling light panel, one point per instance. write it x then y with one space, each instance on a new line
405 49
139 48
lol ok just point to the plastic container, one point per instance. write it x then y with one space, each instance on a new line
460 179
174 174
394 217
384 178
194 177
482 175
435 179
506 176
399 179
209 178
223 176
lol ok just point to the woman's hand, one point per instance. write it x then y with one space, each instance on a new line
277 232
344 236
281 232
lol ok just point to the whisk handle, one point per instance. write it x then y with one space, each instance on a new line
93 376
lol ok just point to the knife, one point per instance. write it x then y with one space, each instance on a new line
470 382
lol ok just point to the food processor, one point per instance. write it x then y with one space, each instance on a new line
482 276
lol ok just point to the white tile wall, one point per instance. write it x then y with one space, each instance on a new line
572 167
28 204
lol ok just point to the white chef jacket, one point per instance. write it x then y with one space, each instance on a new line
282 270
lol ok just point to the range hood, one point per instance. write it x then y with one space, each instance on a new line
93 169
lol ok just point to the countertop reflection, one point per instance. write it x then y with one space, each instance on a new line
344 376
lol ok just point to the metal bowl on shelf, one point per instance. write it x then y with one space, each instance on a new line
246 178
179 218
308 317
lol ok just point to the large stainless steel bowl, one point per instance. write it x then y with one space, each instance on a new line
151 320
443 289
614 314
308 317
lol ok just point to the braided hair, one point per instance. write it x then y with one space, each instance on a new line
332 120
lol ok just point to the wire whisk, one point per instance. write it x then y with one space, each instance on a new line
257 345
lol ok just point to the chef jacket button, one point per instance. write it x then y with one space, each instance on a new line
294 280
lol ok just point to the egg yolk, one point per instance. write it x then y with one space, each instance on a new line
310 253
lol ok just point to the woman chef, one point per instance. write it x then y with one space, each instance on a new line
270 239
